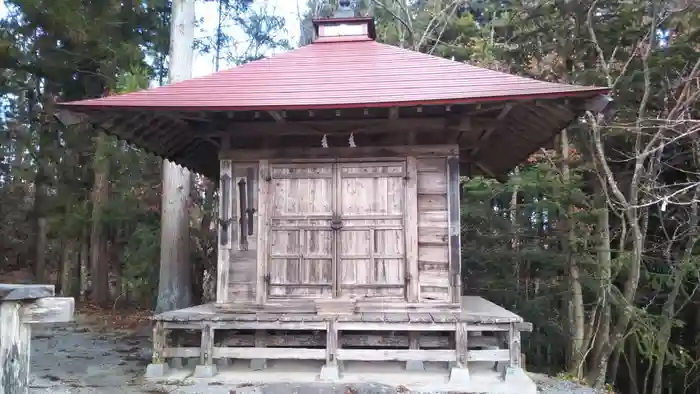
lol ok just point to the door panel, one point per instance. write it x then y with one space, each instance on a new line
371 240
301 239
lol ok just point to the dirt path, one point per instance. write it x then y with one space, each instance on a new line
78 357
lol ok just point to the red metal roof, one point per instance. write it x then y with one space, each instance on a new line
344 73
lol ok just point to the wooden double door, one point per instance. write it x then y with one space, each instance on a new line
336 230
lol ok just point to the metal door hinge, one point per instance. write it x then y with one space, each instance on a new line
224 223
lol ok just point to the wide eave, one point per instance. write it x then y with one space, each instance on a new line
352 78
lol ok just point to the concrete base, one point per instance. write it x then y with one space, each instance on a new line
176 363
415 366
223 362
513 374
156 370
258 364
477 377
459 376
205 371
329 372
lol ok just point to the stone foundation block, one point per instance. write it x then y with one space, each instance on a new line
258 364
459 376
205 371
156 370
329 372
176 363
415 366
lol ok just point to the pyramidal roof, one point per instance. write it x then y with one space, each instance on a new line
344 69
341 72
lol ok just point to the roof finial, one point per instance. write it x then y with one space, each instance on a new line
344 10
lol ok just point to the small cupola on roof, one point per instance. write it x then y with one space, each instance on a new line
344 26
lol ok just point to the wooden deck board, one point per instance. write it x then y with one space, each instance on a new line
475 310
480 310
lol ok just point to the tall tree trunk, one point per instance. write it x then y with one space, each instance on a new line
174 285
99 262
515 240
600 333
576 318
41 178
68 269
40 246
84 265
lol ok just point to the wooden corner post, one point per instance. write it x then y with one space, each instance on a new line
226 233
20 306
454 228
262 276
411 228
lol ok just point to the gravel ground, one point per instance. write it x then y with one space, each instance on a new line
549 385
80 358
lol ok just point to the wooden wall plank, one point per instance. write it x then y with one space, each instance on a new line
433 254
432 219
433 232
431 164
433 235
432 183
432 202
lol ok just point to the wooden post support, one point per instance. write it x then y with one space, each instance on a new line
261 285
330 371
414 344
514 372
158 367
20 306
258 364
177 341
514 346
461 336
206 367
459 374
411 227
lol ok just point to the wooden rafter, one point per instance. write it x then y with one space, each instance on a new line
497 124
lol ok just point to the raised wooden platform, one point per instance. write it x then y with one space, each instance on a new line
477 331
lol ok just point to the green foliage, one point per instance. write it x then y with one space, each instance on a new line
140 256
